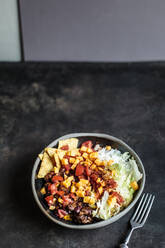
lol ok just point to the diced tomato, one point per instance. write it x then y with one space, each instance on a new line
57 178
66 147
67 167
81 177
111 183
61 192
53 188
49 199
94 177
61 213
79 170
67 200
67 156
87 144
88 171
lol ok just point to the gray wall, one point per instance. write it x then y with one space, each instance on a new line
94 30
88 30
9 31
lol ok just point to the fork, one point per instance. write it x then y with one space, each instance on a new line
140 216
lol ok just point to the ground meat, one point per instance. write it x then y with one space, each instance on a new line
49 176
72 206
111 183
84 216
62 171
107 176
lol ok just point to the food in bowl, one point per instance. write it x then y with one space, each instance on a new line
87 183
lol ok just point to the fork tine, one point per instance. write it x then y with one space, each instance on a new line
141 208
138 207
149 208
145 209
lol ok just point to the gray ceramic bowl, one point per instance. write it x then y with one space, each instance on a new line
103 139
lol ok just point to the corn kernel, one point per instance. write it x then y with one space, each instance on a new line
88 188
93 155
98 161
67 182
72 160
84 181
73 189
85 155
98 180
60 200
103 183
80 193
134 185
108 148
43 191
86 199
93 166
65 176
52 207
67 217
93 206
80 158
100 189
75 163
89 150
111 201
87 162
110 162
64 161
104 162
83 149
100 168
92 201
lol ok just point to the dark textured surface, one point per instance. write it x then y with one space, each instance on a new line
40 102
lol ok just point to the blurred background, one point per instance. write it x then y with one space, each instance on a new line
75 30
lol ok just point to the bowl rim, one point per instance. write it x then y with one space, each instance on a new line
103 222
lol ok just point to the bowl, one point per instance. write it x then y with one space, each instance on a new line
104 139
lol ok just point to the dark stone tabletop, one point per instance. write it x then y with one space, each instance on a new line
40 102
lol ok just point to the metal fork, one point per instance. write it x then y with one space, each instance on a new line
139 218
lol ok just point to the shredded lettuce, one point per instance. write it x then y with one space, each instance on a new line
104 211
126 171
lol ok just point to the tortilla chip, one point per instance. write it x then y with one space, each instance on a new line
74 152
46 166
51 151
40 156
72 143
57 160
61 153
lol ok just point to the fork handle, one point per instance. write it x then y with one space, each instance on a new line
123 246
